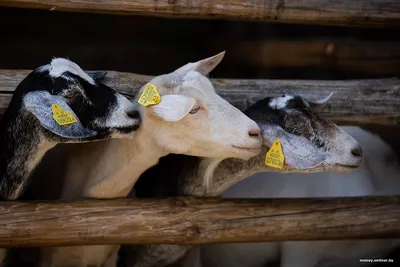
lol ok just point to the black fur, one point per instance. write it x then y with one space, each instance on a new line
21 132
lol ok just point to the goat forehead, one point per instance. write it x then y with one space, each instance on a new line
59 66
165 84
199 91
298 103
196 79
280 102
192 84
169 82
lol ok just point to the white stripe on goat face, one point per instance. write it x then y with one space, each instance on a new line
59 66
280 102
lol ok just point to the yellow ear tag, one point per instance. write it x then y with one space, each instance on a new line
150 96
61 116
275 157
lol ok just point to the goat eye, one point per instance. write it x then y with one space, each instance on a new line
70 94
193 111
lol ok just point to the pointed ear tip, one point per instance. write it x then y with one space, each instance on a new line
218 56
221 54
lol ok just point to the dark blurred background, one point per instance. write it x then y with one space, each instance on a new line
150 45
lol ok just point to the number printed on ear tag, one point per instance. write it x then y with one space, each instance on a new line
275 157
150 96
61 116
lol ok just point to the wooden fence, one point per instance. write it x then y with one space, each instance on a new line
356 102
371 13
194 220
188 220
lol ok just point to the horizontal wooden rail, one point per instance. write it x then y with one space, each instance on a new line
373 13
189 220
356 102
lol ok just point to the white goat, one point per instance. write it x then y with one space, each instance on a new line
379 175
29 129
190 119
309 143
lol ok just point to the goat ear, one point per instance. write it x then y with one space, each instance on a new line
318 105
204 66
97 75
298 151
173 107
39 104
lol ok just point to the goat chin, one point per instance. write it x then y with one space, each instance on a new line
377 176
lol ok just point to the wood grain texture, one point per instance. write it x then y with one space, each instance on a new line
356 102
373 13
189 220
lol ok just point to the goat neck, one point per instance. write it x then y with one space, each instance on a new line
232 171
22 147
126 161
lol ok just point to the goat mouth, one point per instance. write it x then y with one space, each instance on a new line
125 129
349 166
254 150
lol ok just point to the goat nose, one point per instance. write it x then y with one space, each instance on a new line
357 152
133 114
254 133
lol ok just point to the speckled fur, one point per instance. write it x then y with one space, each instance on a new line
20 154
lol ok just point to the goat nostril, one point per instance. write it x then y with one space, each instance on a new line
357 152
255 133
134 114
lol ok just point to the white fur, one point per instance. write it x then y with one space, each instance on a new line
173 107
280 102
209 172
109 169
379 175
43 68
203 66
59 66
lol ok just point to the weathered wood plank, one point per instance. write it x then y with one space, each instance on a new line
189 220
371 13
356 102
